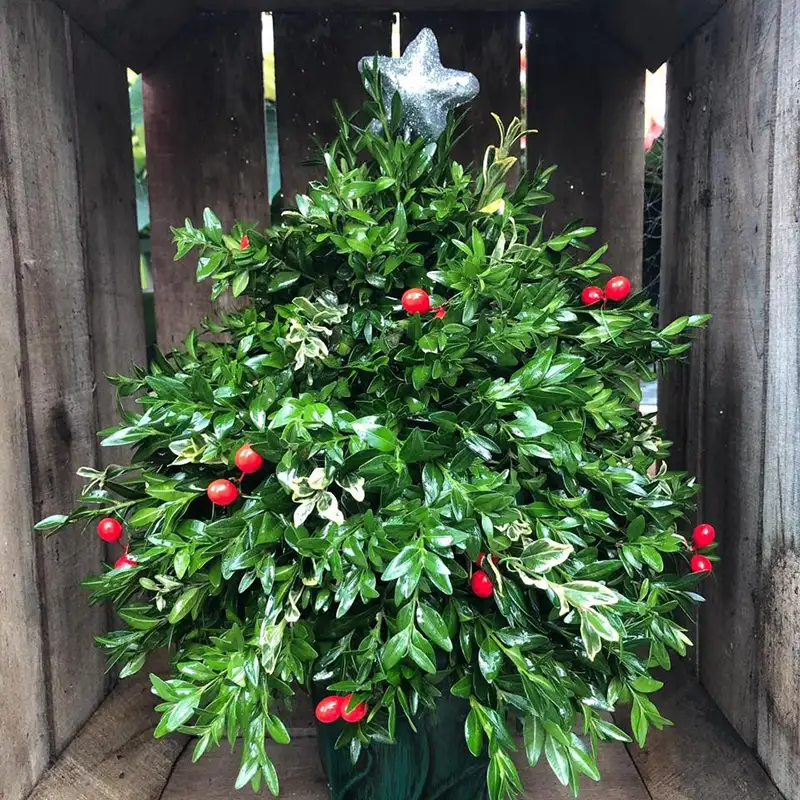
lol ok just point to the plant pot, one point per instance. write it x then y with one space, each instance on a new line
432 764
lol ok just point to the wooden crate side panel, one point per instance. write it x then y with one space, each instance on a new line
25 746
723 87
487 45
316 63
586 99
204 124
779 634
56 353
111 240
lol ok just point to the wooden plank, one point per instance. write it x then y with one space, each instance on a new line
727 216
586 99
779 666
115 757
56 355
25 746
701 757
204 123
487 45
111 240
301 775
316 62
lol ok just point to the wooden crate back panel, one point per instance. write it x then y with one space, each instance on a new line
586 99
204 122
488 45
316 62
67 253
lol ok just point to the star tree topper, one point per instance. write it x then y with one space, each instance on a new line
428 90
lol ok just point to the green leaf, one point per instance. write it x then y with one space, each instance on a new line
558 758
422 653
545 554
401 564
184 604
533 737
282 280
490 659
433 626
375 435
138 617
473 733
528 425
587 594
53 522
437 571
396 648
277 730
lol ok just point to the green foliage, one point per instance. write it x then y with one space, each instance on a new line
397 448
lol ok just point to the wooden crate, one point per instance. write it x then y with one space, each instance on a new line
72 308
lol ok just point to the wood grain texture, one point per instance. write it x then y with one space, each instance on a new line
487 45
586 99
718 201
316 63
111 240
204 123
25 746
701 757
115 756
301 775
779 673
56 356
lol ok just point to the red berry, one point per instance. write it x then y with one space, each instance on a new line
109 529
245 243
222 492
247 460
125 561
481 556
329 709
357 714
416 301
700 564
618 288
441 312
704 535
481 585
591 295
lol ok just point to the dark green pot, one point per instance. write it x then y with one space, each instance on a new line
432 764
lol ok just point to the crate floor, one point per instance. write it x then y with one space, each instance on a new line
115 757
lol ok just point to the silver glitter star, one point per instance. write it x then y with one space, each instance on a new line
428 90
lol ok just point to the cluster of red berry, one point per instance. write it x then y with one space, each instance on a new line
418 301
703 536
223 492
617 289
110 530
333 707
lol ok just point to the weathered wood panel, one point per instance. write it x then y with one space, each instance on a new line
717 258
301 775
487 45
204 123
111 242
701 757
586 99
56 356
316 63
24 747
115 757
779 634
